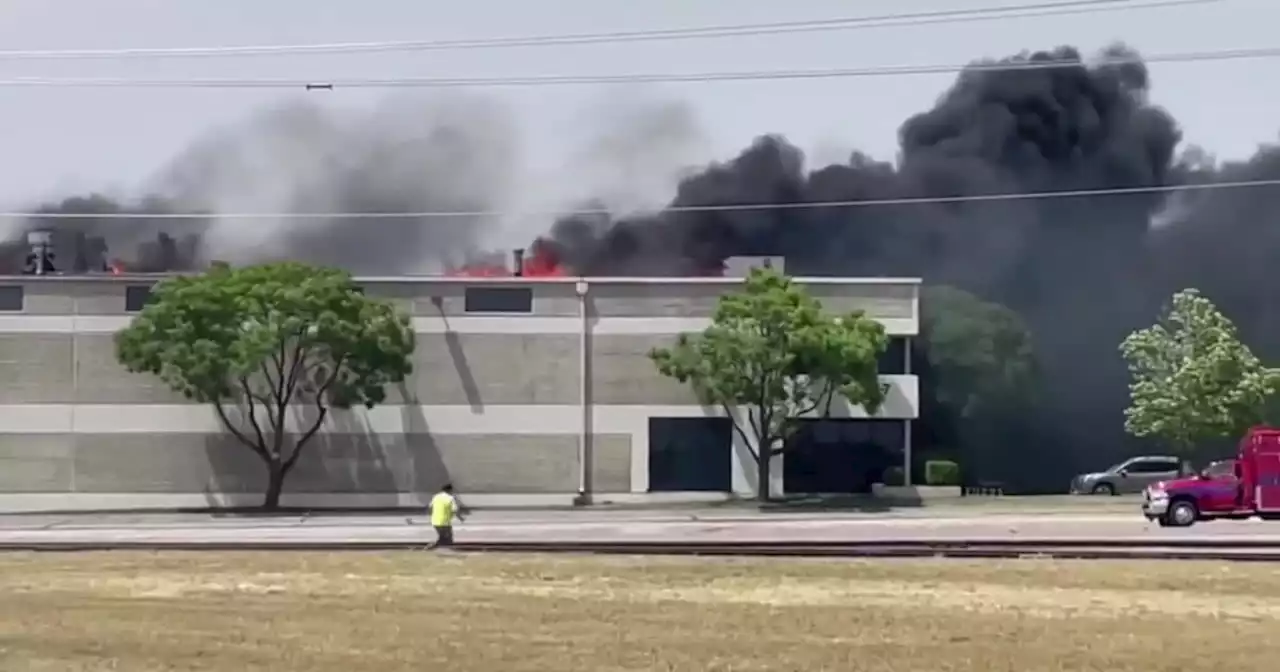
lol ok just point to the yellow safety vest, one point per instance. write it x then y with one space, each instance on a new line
442 509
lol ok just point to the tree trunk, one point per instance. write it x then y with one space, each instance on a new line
764 461
275 485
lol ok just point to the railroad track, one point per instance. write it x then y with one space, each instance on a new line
1242 549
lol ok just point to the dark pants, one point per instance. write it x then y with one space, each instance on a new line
444 535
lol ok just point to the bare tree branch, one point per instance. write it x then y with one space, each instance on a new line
278 418
253 418
317 364
821 400
235 431
830 395
737 426
297 365
322 411
272 395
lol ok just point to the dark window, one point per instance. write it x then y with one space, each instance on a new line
136 297
1221 468
1152 466
690 454
893 359
499 300
840 455
11 298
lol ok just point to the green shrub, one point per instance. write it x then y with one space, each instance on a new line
893 476
941 472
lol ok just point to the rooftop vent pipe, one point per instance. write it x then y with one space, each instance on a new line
518 256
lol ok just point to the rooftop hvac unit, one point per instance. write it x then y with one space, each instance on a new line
40 258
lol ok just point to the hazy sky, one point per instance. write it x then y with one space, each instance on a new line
56 141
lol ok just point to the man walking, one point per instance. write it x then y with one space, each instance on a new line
444 508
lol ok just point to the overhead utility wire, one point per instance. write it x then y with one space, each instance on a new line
1064 7
743 207
637 78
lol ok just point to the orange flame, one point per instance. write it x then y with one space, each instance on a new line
543 262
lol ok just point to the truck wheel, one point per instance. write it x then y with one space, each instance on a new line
1104 489
1182 513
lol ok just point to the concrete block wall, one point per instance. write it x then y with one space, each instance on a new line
495 405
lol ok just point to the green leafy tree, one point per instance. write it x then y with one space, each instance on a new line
980 352
1193 379
772 352
263 343
977 377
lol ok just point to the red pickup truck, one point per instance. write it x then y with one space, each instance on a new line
1236 489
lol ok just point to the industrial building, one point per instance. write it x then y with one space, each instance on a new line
527 390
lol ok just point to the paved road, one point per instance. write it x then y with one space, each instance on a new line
570 526
1037 506
578 516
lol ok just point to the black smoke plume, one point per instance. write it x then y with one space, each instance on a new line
81 244
407 155
1083 271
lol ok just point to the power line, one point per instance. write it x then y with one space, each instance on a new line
742 207
1059 8
642 78
560 80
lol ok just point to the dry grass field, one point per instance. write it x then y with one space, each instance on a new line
393 612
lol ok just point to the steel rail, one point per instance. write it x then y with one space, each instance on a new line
1028 542
1098 549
